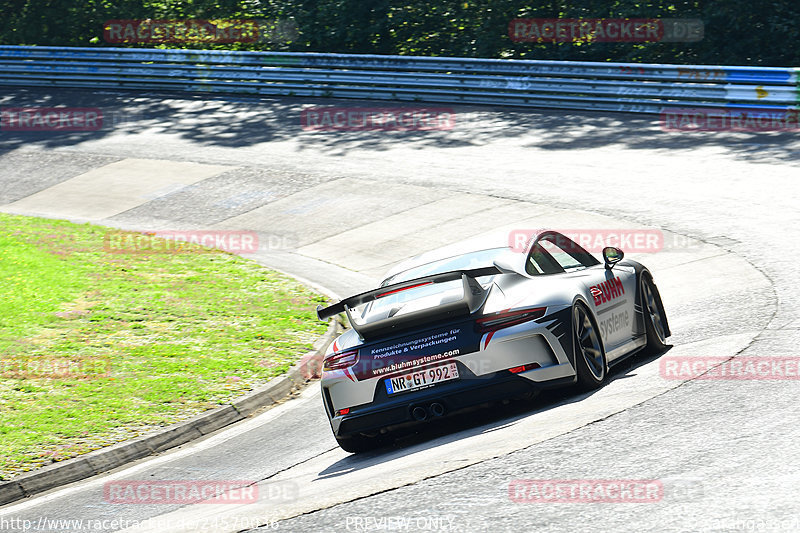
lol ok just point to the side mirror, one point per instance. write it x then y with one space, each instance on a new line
612 256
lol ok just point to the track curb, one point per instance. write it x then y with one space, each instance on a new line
100 461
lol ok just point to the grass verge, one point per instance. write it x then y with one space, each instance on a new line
100 347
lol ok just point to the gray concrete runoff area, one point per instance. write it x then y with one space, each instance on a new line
337 209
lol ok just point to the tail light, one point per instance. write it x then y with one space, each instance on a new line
337 361
506 319
524 368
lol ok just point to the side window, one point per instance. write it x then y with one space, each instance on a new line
559 254
541 262
554 253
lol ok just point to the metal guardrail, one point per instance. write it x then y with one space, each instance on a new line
625 87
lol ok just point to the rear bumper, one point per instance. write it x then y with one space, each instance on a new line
479 356
396 413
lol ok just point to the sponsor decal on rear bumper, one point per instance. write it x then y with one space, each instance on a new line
414 351
402 365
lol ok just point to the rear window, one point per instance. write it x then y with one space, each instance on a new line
480 259
404 301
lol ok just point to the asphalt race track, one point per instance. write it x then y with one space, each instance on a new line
337 209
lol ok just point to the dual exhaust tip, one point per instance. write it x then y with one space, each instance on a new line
421 413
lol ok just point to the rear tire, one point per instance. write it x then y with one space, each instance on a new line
655 323
590 357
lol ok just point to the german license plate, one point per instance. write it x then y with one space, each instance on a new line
422 378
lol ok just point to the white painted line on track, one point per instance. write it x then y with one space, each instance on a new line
311 393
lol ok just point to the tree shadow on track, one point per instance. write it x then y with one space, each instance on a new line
497 416
231 121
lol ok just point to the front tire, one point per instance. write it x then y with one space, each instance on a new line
655 320
590 357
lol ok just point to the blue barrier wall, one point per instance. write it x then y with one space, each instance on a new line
638 88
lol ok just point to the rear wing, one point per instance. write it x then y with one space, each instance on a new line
473 297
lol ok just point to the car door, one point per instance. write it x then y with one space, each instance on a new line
613 290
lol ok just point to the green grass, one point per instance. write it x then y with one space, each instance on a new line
99 347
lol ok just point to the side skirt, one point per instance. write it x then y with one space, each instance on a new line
626 350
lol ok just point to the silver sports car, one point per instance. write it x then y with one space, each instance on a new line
446 332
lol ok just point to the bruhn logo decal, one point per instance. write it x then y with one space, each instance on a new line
607 291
